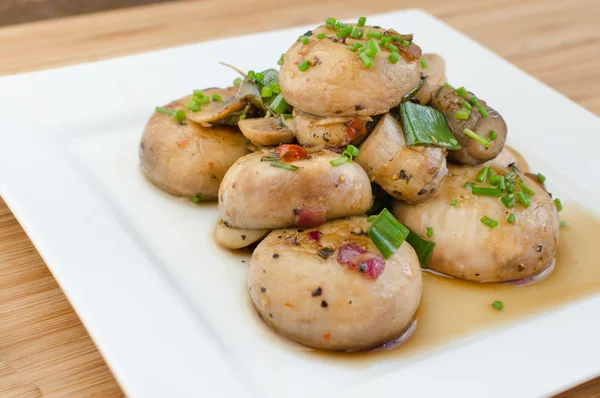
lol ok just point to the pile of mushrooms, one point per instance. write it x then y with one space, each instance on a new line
306 161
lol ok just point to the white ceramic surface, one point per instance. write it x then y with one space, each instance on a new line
168 308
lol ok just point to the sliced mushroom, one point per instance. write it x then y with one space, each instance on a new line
436 76
235 238
266 131
472 152
412 174
315 131
215 111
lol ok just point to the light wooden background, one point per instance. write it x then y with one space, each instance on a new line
44 349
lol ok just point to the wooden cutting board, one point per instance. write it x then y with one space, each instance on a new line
44 349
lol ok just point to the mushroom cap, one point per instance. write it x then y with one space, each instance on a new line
255 195
338 84
323 304
468 249
186 159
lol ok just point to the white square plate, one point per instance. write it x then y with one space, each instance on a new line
169 310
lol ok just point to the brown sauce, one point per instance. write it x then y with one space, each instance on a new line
453 309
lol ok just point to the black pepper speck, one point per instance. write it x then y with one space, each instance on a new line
317 292
324 304
275 255
262 289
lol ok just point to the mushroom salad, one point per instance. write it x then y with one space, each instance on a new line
349 171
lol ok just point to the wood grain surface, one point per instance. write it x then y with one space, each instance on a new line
44 349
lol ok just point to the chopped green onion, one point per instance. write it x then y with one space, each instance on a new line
453 203
492 134
351 151
422 247
198 93
374 34
541 178
469 185
502 183
251 74
339 161
330 22
448 85
321 36
466 105
275 87
193 105
462 92
339 26
361 21
498 305
405 43
511 218
216 97
508 200
473 101
178 115
282 165
237 82
279 105
391 47
525 188
344 32
356 32
558 204
266 92
523 198
462 114
387 233
259 77
373 46
366 60
372 218
489 222
303 66
282 58
483 111
495 181
510 175
203 100
482 174
563 224
486 191
490 173
429 232
510 185
477 137
196 199
243 116
394 57
423 63
355 46
421 122
384 40
304 39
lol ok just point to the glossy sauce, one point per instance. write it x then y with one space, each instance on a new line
452 309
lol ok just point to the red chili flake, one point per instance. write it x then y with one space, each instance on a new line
315 235
326 337
182 143
290 305
296 62
355 257
290 153
309 217
355 128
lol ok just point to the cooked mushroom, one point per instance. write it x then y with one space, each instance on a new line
472 152
330 288
186 159
266 131
306 192
216 111
468 247
317 131
337 83
413 174
234 238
